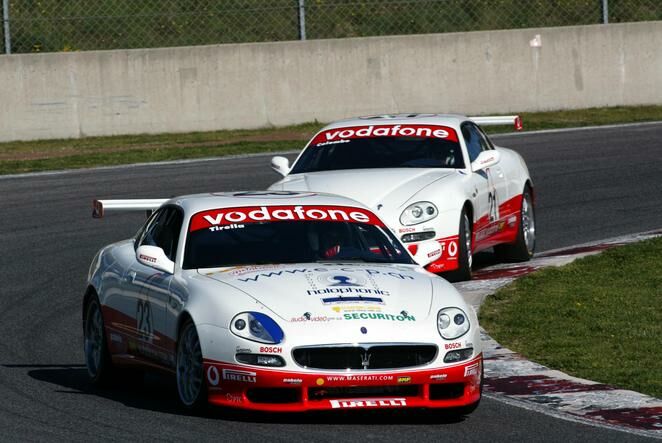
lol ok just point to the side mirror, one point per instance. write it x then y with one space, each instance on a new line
154 257
486 159
281 165
427 252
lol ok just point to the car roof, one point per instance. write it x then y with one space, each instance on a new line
216 200
452 120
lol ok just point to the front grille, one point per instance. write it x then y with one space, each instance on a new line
274 395
365 356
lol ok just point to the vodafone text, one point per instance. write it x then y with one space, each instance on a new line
428 131
229 217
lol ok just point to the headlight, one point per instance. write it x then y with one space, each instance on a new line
256 326
418 213
452 323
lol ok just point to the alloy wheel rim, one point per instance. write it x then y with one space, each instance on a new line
189 366
467 240
528 223
93 339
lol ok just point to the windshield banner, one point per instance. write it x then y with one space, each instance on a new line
216 218
418 131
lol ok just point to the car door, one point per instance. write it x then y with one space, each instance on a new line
489 186
150 288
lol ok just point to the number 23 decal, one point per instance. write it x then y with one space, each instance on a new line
144 320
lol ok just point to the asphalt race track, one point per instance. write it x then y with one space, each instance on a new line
590 184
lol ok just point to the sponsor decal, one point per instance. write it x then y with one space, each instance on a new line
473 369
223 228
456 345
372 131
368 271
452 248
232 398
271 350
368 308
336 279
368 403
378 316
359 378
293 381
433 253
240 350
319 381
358 291
212 376
319 318
217 218
438 376
403 380
147 258
406 230
239 376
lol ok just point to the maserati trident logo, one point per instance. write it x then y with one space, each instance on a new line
365 360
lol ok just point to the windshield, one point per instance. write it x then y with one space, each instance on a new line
387 146
289 234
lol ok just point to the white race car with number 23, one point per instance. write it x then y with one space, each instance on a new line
428 176
280 301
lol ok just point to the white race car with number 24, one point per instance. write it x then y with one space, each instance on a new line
428 176
280 301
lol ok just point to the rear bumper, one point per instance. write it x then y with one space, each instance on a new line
284 391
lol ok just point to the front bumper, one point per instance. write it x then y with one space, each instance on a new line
263 389
448 260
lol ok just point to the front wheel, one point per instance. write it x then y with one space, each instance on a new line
191 386
97 357
525 244
465 253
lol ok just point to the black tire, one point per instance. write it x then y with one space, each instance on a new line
191 384
525 244
465 253
99 365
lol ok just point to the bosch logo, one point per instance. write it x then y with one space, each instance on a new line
270 350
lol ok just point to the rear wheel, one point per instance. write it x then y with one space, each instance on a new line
465 250
525 244
190 374
97 358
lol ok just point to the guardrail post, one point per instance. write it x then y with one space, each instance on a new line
5 25
302 19
605 12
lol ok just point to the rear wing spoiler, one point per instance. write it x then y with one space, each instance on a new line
515 120
149 205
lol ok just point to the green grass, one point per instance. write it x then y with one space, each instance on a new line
56 25
44 155
598 318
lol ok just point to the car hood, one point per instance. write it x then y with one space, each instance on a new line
302 292
390 188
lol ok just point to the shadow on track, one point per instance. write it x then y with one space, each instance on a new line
156 392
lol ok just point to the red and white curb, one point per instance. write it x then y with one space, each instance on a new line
516 380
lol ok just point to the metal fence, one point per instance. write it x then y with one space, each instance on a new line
73 25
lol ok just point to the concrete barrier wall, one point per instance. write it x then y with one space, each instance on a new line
66 95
